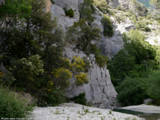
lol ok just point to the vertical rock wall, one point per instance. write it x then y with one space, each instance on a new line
99 91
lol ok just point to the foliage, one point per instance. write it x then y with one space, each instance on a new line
101 5
53 97
87 64
14 105
138 7
120 18
15 8
153 86
31 46
81 78
69 13
86 38
135 58
78 64
6 78
26 71
80 99
130 67
86 11
131 87
85 35
141 25
62 77
107 26
101 60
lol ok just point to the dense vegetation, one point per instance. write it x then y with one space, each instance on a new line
131 66
32 61
14 105
31 51
31 55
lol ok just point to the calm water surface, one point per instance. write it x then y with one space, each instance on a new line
140 114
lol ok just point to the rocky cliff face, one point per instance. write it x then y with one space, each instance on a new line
99 91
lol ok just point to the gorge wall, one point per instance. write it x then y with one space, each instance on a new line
99 91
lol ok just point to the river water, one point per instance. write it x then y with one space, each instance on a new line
140 114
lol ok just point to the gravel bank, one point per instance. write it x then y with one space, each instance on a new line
71 111
144 108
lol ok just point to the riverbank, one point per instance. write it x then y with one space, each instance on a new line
72 111
148 109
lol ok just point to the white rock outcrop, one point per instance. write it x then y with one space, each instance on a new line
99 91
58 13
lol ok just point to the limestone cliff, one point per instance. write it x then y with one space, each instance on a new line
99 91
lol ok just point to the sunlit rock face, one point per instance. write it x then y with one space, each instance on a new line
99 91
67 3
58 13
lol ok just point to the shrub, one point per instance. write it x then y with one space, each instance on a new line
14 105
134 59
78 64
101 60
69 13
87 64
53 97
131 87
26 72
86 11
6 78
141 25
84 35
120 18
101 5
61 77
80 99
107 25
81 78
153 86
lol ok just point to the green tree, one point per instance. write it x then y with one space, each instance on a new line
26 71
134 59
10 10
86 11
153 86
86 35
132 87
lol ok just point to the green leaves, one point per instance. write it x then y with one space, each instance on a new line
107 26
86 11
20 8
